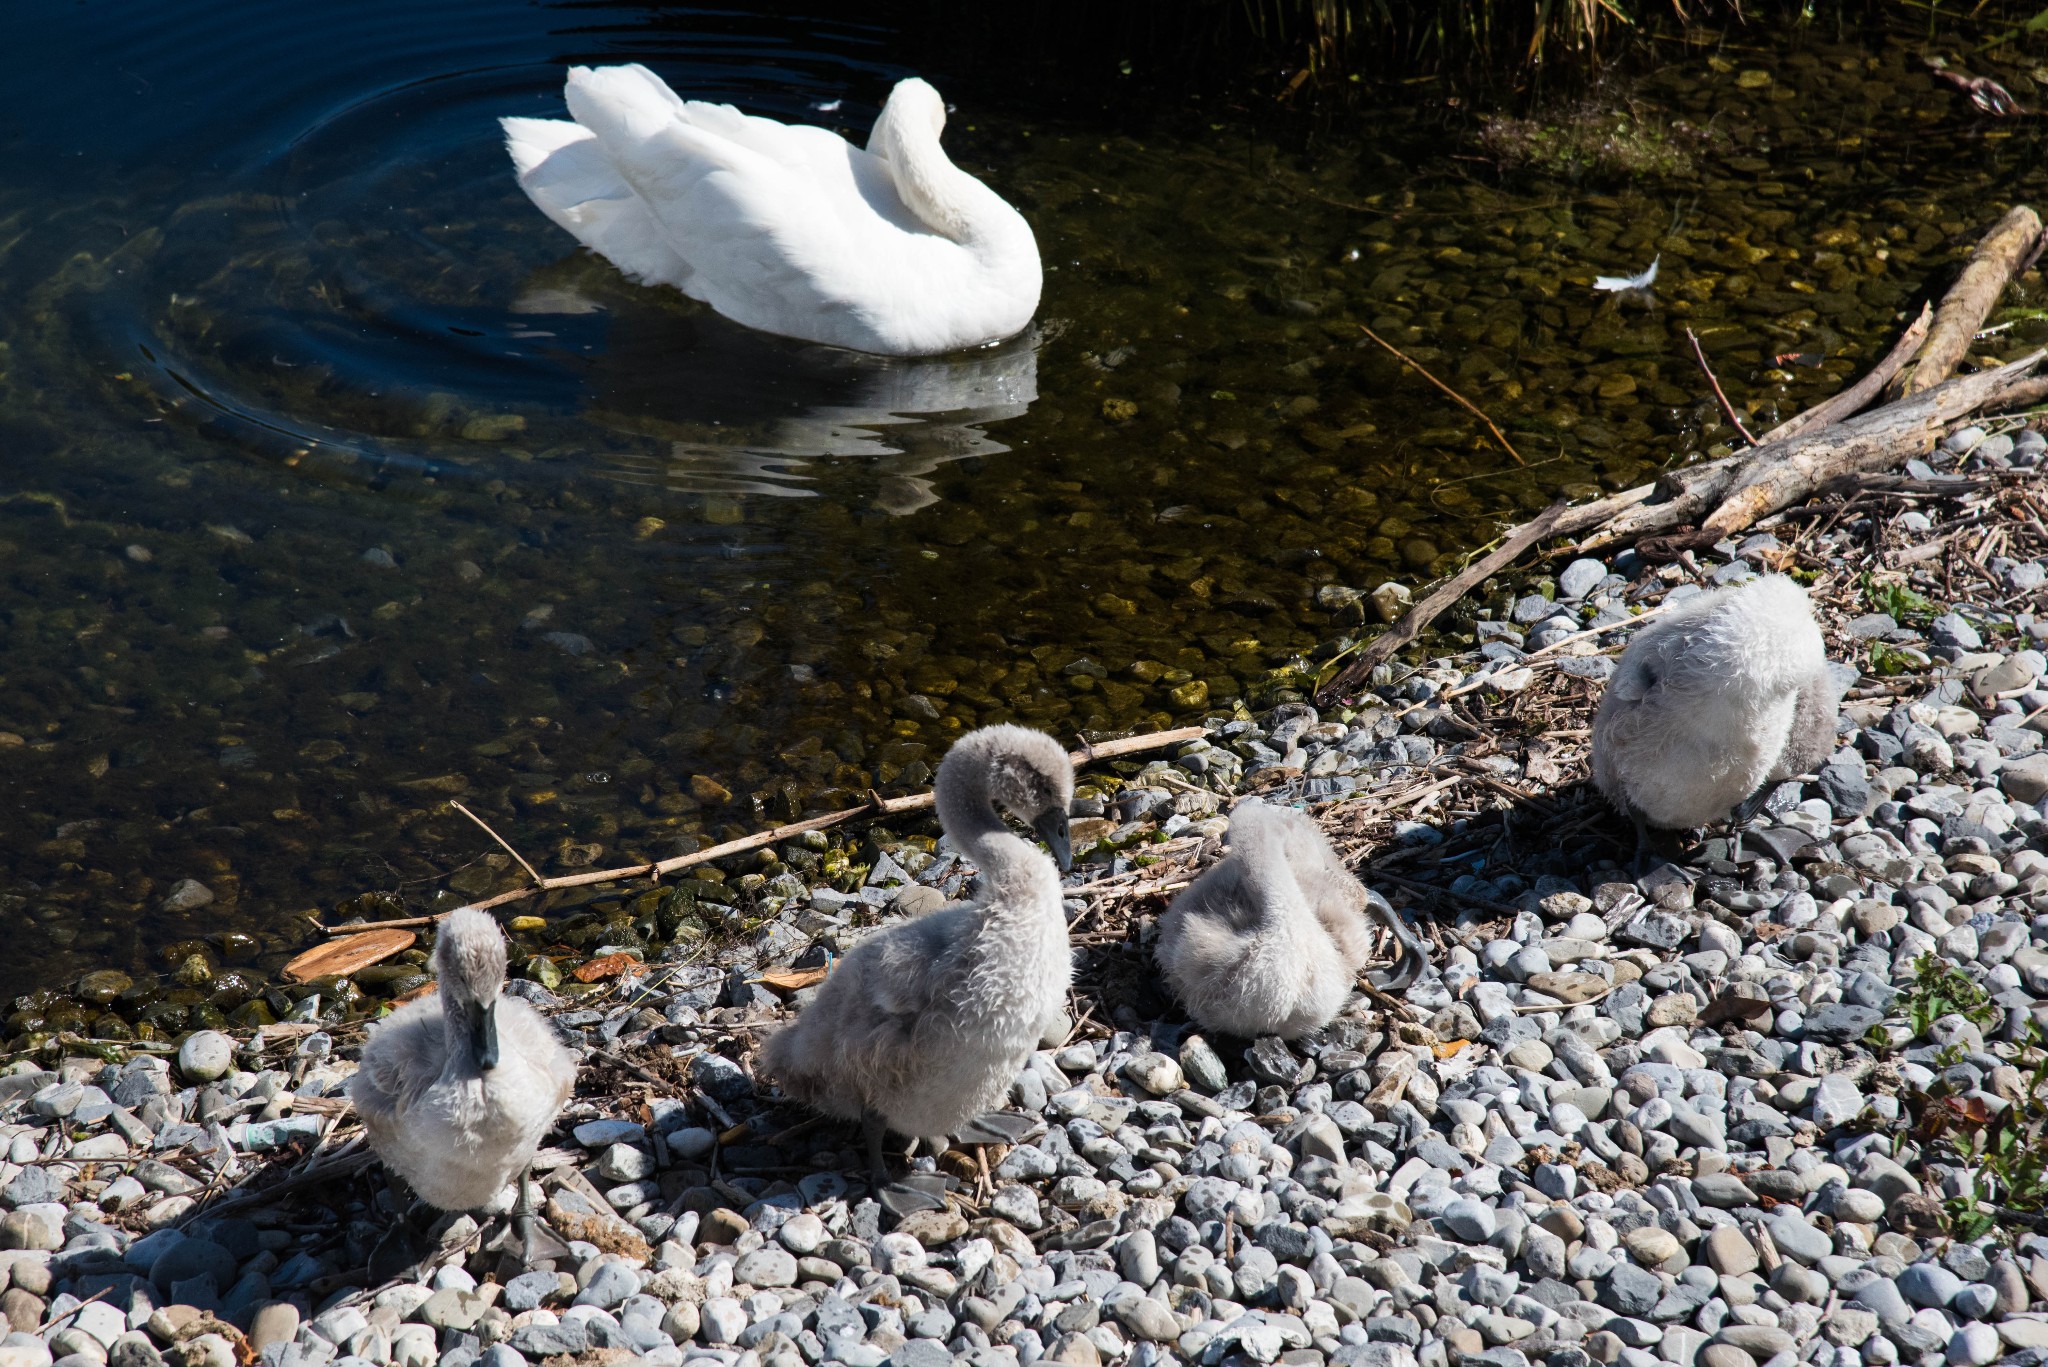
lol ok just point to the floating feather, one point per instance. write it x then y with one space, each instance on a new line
1622 283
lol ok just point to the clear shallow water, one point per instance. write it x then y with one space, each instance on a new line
337 484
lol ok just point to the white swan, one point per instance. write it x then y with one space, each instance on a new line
1270 940
925 1025
785 227
456 1090
1714 705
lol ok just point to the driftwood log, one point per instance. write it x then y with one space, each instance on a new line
2006 250
1796 458
1775 478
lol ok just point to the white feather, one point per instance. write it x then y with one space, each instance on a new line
1270 940
1617 284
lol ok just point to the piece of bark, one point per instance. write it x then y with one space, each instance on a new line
1858 396
1780 474
1450 591
348 955
2002 254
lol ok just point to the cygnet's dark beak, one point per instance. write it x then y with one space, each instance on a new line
483 1034
1052 828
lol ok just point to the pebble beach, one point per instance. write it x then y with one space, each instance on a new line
1718 1114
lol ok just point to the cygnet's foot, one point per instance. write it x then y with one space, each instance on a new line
529 1238
996 1127
917 1191
1402 975
1311 1042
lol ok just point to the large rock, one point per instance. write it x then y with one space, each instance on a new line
2025 778
205 1055
1841 1023
192 1258
1729 1251
1629 1290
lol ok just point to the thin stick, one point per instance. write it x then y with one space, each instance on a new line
499 838
1109 749
1469 406
1422 614
1565 1006
1856 397
1726 407
635 1069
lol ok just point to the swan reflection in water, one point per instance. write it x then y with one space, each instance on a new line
742 412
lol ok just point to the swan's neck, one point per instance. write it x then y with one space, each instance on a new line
458 1058
945 198
1019 875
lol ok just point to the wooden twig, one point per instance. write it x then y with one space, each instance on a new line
1457 586
1699 354
1468 405
1566 1006
1856 397
500 839
658 1083
917 802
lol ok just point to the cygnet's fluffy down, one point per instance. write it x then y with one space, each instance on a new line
1729 692
926 1024
457 1089
1270 940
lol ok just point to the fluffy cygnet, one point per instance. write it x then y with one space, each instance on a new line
1714 704
1270 940
925 1025
456 1090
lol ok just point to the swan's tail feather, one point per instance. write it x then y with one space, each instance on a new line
530 141
621 102
697 184
565 172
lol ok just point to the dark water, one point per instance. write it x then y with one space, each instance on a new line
336 484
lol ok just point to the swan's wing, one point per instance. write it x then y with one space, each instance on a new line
401 1058
836 171
798 146
529 1033
911 965
565 172
713 197
766 245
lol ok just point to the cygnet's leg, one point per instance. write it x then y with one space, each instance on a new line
1745 812
1642 859
875 1131
532 1247
536 1241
